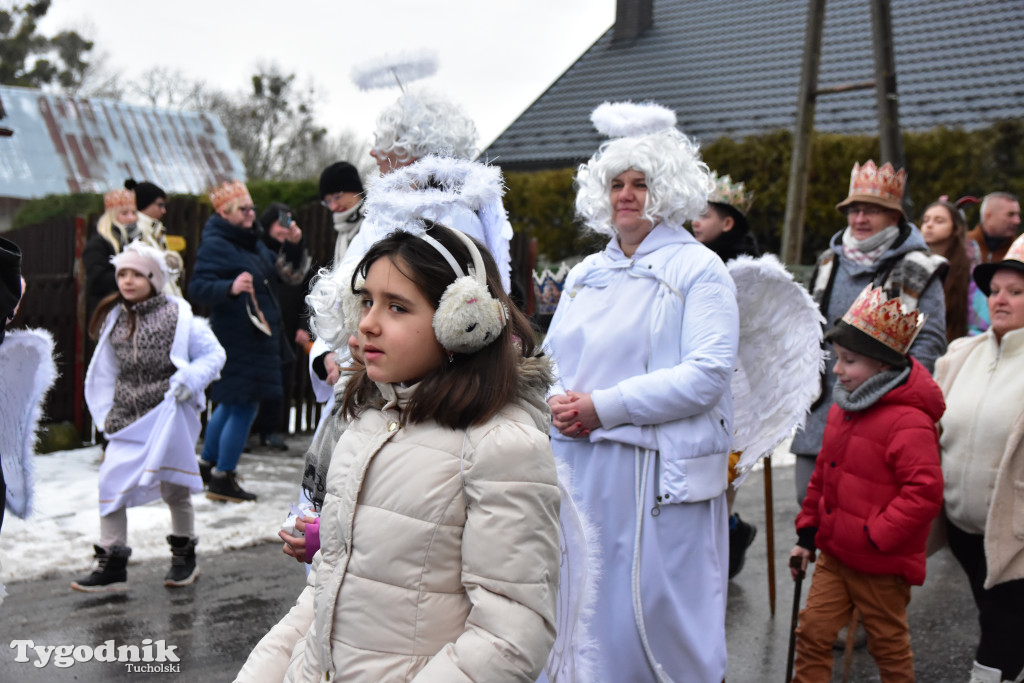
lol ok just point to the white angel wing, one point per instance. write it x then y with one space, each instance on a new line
779 360
571 658
28 372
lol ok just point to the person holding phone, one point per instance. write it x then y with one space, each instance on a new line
282 235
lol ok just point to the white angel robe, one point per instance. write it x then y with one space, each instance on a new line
653 339
160 445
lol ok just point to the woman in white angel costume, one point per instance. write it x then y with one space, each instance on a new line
645 339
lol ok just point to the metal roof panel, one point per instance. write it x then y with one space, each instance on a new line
63 144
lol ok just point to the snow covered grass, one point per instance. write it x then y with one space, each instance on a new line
58 536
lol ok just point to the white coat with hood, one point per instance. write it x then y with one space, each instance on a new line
653 339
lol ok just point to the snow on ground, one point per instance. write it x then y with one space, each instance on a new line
58 536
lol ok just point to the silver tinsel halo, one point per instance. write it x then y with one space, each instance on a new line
628 119
398 69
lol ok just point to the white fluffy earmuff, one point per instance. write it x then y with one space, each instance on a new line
468 317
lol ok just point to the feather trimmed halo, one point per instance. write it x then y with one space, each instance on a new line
628 119
398 69
435 187
432 184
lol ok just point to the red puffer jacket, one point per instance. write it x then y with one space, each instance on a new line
877 484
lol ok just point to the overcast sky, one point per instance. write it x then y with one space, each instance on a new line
495 56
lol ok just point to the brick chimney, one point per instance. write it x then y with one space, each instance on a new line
632 17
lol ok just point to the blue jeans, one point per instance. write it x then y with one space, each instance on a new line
226 434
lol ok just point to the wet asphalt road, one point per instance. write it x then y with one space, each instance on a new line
242 593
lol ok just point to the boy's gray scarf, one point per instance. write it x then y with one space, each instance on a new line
867 394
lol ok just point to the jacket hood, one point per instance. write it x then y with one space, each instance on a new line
535 378
919 391
660 235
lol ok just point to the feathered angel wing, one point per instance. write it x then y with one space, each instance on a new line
571 658
779 360
28 372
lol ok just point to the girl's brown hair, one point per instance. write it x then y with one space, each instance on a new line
106 305
473 387
958 279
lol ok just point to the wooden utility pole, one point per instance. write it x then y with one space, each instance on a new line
887 105
889 137
796 197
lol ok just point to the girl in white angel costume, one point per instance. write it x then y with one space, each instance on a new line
144 388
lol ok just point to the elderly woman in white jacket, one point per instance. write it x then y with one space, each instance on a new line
645 339
983 466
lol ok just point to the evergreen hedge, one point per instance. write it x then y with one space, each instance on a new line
940 161
294 193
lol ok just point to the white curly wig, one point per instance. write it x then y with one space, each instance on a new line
423 122
678 182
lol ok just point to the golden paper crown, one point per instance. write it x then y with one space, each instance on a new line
226 192
115 199
883 186
733 194
884 321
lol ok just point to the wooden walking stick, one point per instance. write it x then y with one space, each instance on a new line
797 564
769 530
851 636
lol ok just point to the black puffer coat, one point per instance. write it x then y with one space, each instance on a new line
253 369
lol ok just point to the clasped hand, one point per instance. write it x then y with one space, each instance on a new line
573 414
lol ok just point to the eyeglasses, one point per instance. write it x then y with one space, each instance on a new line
866 209
330 199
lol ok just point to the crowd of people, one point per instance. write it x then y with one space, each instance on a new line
461 460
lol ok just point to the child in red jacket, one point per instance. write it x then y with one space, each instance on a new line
876 488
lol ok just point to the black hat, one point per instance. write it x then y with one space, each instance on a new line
340 176
10 280
850 337
145 193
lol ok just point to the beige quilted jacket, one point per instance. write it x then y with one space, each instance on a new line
1004 529
439 556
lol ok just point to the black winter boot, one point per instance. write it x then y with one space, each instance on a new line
111 572
204 471
740 537
224 486
183 561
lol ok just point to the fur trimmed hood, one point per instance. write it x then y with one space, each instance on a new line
536 376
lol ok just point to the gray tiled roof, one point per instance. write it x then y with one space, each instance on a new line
732 67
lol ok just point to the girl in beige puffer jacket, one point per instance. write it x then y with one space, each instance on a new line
439 534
